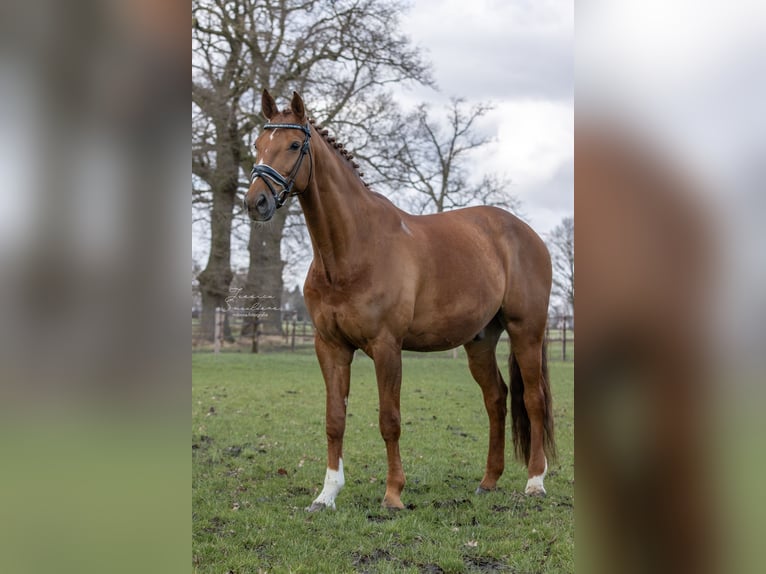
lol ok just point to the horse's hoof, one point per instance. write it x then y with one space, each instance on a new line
318 506
534 490
481 490
392 505
535 485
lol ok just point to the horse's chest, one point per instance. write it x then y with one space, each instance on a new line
334 318
353 317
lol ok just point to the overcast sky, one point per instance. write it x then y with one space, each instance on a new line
519 56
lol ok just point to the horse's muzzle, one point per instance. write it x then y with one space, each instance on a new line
262 207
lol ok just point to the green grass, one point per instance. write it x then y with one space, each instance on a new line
259 457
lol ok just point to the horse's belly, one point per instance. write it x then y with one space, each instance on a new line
445 331
427 343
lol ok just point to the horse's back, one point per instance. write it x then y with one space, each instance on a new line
497 225
489 237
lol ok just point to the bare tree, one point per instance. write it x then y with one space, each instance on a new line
433 160
561 245
340 55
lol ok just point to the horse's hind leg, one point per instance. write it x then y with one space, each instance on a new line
483 365
530 402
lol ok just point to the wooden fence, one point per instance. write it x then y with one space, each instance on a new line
559 336
295 334
298 335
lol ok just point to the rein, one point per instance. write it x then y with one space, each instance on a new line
271 176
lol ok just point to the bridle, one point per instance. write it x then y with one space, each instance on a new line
271 176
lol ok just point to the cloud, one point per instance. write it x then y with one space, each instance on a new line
533 138
550 200
492 49
534 147
519 56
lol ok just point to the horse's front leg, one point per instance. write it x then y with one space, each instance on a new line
335 362
388 370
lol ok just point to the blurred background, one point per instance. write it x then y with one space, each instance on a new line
94 243
669 159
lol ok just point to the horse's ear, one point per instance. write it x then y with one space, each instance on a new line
298 108
268 105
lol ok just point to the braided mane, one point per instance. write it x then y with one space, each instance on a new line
339 147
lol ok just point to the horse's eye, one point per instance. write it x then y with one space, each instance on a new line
294 146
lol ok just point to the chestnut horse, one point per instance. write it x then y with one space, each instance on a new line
383 280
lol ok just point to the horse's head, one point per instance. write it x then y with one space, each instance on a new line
283 163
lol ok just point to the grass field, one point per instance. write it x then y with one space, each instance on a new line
258 452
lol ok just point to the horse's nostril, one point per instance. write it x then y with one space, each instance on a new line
262 205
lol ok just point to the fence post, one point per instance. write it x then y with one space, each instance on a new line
218 331
292 338
256 337
548 338
564 340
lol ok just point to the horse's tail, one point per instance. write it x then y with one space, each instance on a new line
522 434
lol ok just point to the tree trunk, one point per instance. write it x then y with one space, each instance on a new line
264 275
207 318
216 278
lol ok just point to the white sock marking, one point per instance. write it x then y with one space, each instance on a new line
535 484
333 483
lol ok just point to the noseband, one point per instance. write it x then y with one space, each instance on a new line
271 176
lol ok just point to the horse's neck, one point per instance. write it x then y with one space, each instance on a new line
337 209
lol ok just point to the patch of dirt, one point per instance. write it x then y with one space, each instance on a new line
452 503
380 517
299 491
430 569
219 527
565 501
485 564
233 450
377 555
261 550
204 441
